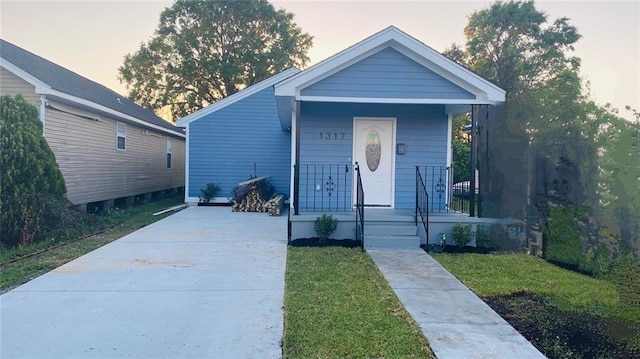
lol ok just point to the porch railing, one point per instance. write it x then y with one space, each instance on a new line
444 195
359 208
422 205
325 188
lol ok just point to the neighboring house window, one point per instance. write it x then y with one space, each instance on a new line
121 135
169 150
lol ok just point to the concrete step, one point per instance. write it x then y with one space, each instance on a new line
391 242
401 229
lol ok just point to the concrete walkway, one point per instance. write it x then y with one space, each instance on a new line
202 283
457 323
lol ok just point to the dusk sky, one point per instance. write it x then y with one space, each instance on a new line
92 37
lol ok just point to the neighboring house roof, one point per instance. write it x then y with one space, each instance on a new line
486 92
244 93
58 82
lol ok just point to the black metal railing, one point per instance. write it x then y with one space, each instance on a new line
444 195
325 188
460 197
359 208
422 205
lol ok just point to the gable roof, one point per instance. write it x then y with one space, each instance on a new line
244 93
485 91
57 81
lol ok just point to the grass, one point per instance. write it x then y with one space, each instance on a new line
563 313
338 305
118 223
490 275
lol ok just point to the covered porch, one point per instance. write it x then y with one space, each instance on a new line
371 131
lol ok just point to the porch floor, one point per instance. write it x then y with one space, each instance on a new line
372 214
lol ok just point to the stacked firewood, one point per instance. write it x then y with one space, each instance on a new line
252 202
252 195
276 204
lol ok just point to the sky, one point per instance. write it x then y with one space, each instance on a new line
91 37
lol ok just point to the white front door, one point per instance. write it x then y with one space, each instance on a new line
374 141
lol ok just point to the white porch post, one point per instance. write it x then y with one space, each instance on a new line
449 158
294 146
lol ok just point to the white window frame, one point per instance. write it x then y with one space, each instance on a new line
121 131
169 156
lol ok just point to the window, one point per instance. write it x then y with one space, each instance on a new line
169 149
121 135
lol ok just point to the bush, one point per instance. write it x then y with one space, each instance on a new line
561 239
325 225
461 234
209 192
32 189
483 236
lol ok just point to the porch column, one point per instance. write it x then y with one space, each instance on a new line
296 166
474 158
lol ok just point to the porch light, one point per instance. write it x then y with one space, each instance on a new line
401 148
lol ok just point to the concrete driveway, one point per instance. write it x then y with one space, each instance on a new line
202 283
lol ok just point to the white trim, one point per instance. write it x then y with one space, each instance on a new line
449 181
186 166
294 126
44 89
449 140
242 94
394 122
37 83
191 199
42 114
395 100
392 37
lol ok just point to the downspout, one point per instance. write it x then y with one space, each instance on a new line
43 106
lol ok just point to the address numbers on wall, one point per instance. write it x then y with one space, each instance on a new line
332 135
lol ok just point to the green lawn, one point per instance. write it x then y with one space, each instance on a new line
491 275
118 223
563 313
338 305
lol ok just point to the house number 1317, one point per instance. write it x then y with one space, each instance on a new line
332 135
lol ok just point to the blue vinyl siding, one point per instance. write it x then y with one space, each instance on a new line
423 128
224 145
387 74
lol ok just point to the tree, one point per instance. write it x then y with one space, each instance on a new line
206 50
461 149
619 175
511 44
31 186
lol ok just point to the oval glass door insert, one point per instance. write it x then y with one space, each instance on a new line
373 150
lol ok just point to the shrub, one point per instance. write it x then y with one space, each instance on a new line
483 237
461 234
561 239
32 189
325 225
209 192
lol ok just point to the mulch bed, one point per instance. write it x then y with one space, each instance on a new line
561 334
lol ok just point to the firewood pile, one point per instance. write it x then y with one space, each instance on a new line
253 195
276 204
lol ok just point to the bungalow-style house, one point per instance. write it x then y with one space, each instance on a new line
373 121
110 150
